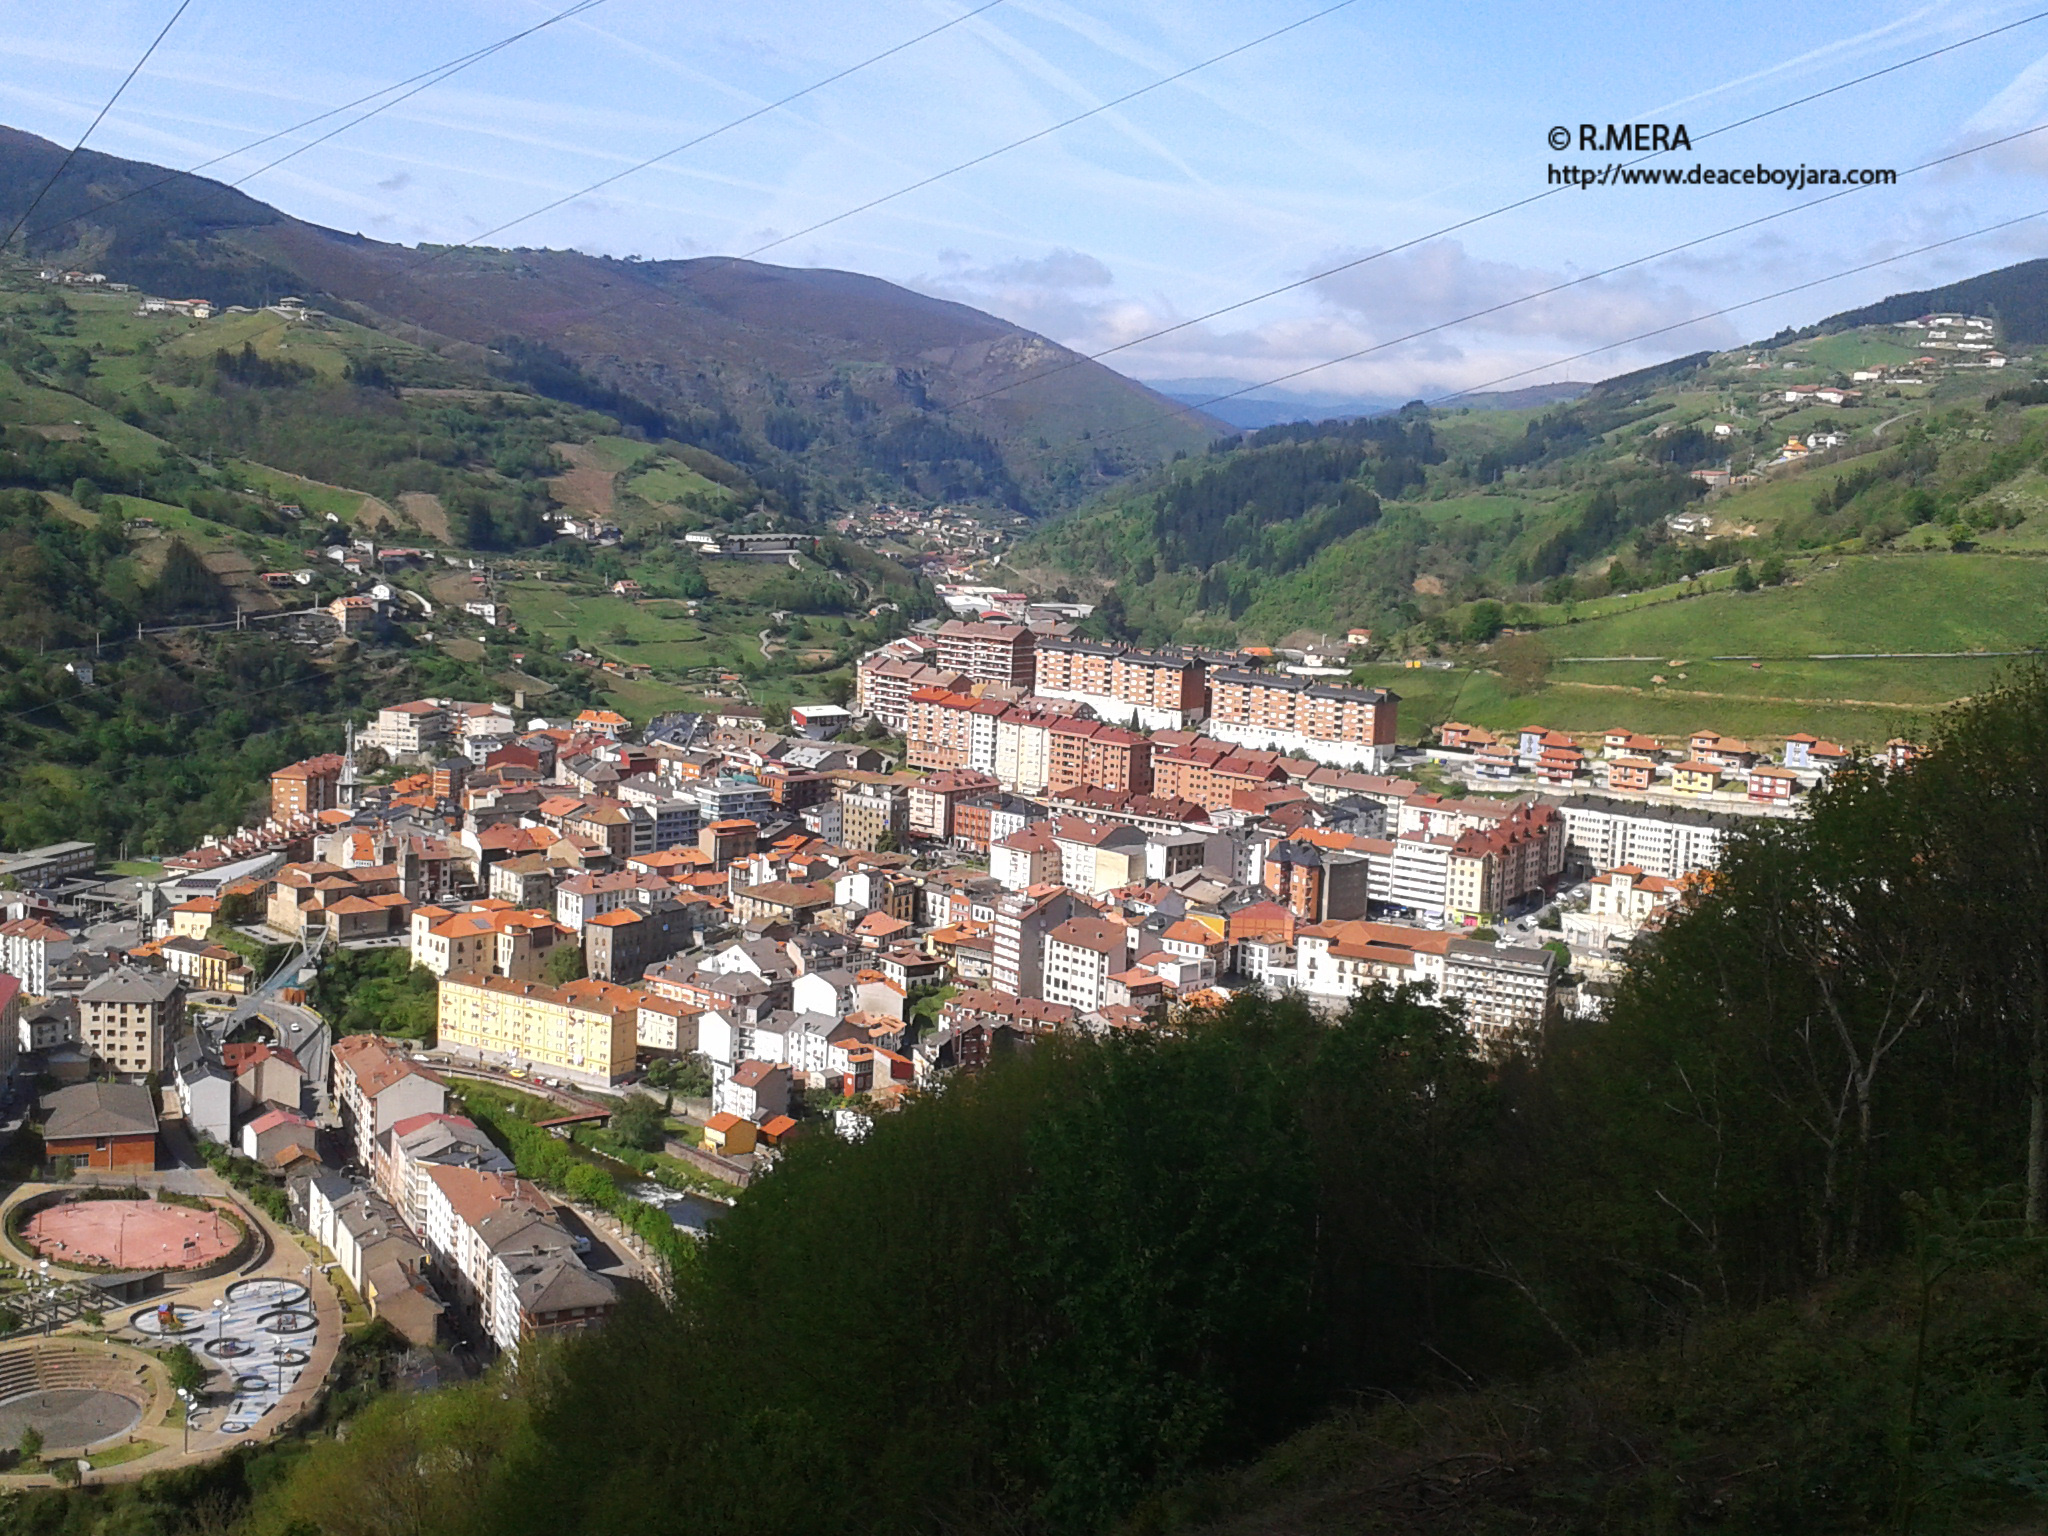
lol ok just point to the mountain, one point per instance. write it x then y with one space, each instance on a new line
2016 297
836 383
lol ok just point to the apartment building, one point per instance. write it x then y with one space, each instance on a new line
1162 690
586 1030
937 732
491 936
1094 856
884 684
1027 857
1208 773
410 729
512 1264
931 803
419 1142
1081 955
988 652
1351 727
1504 989
1022 921
375 1087
306 788
1663 840
872 807
30 949
1094 753
128 1019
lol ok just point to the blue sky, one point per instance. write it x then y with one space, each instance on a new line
1361 130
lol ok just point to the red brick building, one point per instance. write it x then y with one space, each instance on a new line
304 788
102 1125
1089 752
988 653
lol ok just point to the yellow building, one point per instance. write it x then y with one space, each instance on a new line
587 1030
194 919
1695 778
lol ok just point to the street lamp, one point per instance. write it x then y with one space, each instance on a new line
186 1397
220 1321
47 1294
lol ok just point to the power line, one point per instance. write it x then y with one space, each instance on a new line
439 72
703 138
575 10
654 293
1444 325
71 154
1479 218
1729 309
1032 138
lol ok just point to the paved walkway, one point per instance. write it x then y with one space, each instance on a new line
289 1258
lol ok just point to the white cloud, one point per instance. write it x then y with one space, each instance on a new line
1441 281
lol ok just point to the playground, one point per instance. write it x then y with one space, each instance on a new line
130 1234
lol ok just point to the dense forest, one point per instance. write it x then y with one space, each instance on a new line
1760 1249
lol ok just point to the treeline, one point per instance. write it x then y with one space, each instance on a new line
1290 492
1610 515
1030 1302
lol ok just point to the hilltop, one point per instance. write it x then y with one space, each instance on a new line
821 382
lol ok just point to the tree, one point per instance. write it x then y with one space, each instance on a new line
638 1123
185 585
1772 571
1484 621
564 965
1984 789
1745 578
1523 662
186 1370
30 1445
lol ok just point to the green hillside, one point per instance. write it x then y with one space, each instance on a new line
1912 523
828 387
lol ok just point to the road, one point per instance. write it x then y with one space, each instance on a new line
299 1030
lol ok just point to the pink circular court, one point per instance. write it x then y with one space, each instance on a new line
130 1234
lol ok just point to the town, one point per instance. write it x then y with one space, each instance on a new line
741 937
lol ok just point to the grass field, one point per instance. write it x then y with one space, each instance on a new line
1875 603
1932 602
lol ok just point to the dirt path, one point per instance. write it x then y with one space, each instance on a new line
1753 698
426 511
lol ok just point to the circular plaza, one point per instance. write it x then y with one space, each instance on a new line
130 1234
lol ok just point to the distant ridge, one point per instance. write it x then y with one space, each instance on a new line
2015 296
1519 399
795 372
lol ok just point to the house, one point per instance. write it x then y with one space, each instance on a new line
279 1138
1694 777
102 1125
1631 773
756 1091
206 1093
819 722
727 1133
264 1075
1770 785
